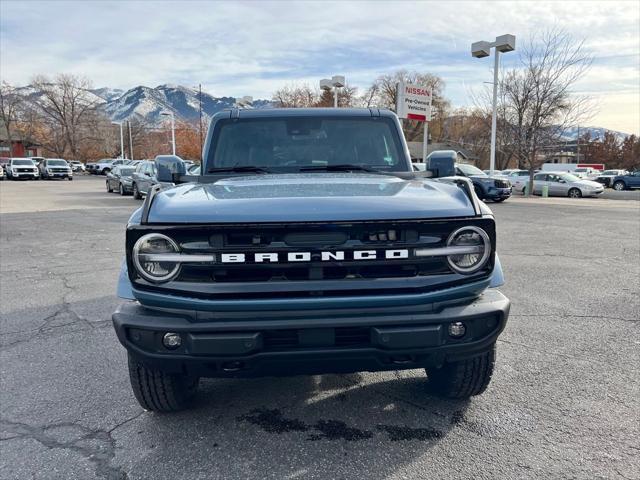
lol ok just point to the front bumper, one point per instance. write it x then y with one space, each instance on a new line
219 344
499 193
25 175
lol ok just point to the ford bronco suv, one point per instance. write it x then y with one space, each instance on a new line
307 245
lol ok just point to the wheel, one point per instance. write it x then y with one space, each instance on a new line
464 378
160 391
619 186
524 190
109 189
106 171
136 192
70 179
575 193
121 190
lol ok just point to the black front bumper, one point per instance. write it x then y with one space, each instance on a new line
311 342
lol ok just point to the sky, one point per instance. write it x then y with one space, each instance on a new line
255 47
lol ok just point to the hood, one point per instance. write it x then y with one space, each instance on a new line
308 198
588 183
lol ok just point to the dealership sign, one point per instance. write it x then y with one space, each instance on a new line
413 102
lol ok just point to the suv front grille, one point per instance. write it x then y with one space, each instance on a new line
252 279
502 183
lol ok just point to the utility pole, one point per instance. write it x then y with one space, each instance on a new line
200 99
578 146
130 140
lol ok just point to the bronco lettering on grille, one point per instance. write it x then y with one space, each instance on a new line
274 257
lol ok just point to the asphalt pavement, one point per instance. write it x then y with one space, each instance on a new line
564 401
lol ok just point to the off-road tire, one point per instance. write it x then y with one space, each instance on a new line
619 186
136 192
464 378
574 193
160 391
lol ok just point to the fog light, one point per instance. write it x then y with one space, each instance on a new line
172 340
457 329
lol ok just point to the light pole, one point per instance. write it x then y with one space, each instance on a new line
121 138
503 43
336 82
173 129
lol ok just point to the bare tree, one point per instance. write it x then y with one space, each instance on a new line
538 101
383 93
296 96
69 109
11 102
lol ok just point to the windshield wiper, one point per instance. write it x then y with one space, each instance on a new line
342 167
246 168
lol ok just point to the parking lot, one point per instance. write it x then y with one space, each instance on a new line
564 400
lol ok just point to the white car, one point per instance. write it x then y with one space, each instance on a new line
77 166
1 173
19 168
586 173
516 176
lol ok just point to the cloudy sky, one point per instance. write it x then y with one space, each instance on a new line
253 48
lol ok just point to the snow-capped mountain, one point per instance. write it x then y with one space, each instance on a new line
595 133
146 103
107 94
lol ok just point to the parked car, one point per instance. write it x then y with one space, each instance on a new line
55 168
486 187
627 182
143 178
37 160
308 247
119 179
77 166
22 168
586 173
1 173
105 165
563 184
607 176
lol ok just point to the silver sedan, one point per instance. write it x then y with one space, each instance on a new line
562 184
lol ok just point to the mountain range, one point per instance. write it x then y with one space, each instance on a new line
146 103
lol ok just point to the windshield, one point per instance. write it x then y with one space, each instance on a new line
569 178
126 172
56 163
289 144
22 162
470 170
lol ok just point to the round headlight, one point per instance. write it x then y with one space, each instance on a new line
473 261
147 257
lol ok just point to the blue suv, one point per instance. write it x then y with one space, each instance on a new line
307 245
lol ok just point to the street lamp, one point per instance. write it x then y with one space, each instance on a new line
336 82
121 138
503 43
173 129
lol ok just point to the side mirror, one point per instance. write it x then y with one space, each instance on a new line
442 163
169 168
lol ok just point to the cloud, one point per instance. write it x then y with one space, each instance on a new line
251 48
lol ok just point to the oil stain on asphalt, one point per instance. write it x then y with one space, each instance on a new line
272 421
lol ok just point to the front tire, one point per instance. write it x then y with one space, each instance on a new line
136 192
160 391
575 193
619 186
121 190
106 171
109 189
464 378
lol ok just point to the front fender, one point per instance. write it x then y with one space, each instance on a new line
124 288
497 277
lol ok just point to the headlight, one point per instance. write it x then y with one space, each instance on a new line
150 257
473 240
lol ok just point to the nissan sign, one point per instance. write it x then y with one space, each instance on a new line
413 102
